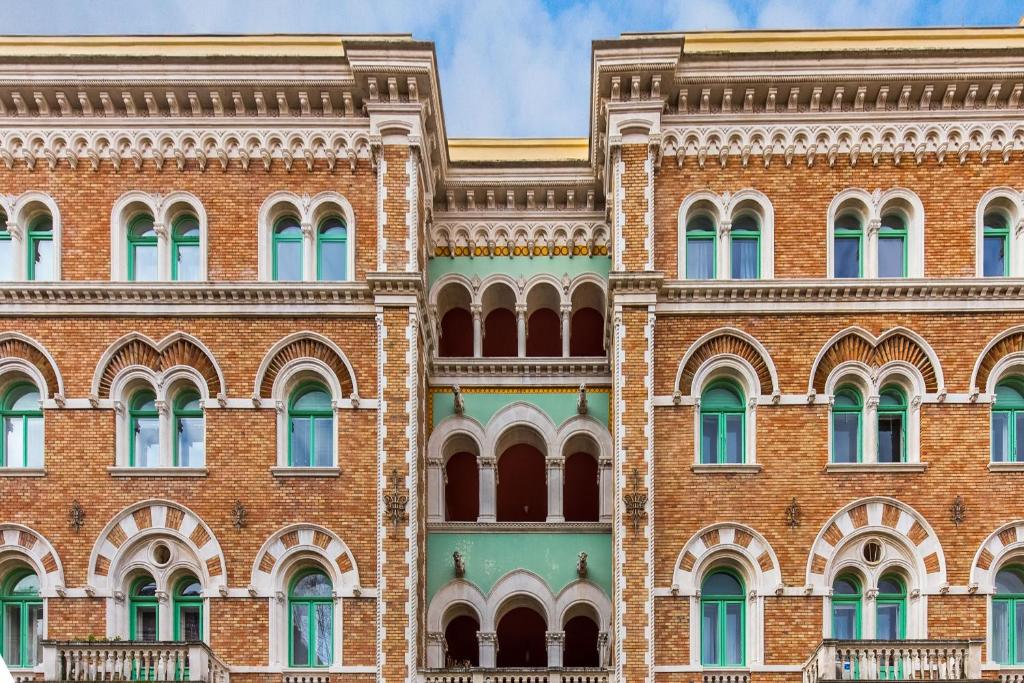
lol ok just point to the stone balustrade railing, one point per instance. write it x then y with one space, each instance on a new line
132 661
517 676
726 676
900 660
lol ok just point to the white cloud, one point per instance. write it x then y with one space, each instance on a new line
702 15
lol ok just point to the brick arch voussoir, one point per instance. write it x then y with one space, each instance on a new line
895 347
307 348
726 344
13 347
1008 345
180 352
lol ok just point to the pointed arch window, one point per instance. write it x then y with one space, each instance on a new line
185 256
722 624
21 619
847 412
310 620
188 609
892 425
311 427
745 239
188 430
332 249
722 417
287 247
143 430
891 608
846 601
1008 421
892 246
700 248
143 261
1008 616
41 259
22 419
143 610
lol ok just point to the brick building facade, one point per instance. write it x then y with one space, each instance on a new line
296 388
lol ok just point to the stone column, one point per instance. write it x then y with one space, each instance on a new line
163 252
478 331
488 489
435 650
566 328
556 486
521 328
724 250
435 490
21 250
488 649
602 649
869 430
869 265
605 492
555 642
308 252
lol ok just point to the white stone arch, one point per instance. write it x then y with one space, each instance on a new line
276 205
320 207
22 210
284 342
539 282
492 283
757 203
1010 203
907 203
457 592
176 204
702 201
587 290
765 357
449 292
454 432
578 593
520 419
585 434
859 202
23 545
514 589
740 371
47 378
1001 548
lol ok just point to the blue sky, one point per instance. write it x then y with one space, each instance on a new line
508 68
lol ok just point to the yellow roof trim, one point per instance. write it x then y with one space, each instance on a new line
854 40
526 149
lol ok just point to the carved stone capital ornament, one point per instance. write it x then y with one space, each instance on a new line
636 501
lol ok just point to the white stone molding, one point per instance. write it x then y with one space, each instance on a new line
724 209
1010 203
742 372
1001 547
871 339
157 373
292 549
20 211
870 207
20 544
309 211
289 377
334 382
164 209
517 234
456 433
48 379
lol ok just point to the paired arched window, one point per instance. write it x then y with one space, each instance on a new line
143 249
21 619
287 249
848 245
722 418
29 248
890 605
307 239
157 439
310 427
722 620
847 412
22 418
701 241
310 620
158 238
143 610
892 425
1008 615
1008 421
892 246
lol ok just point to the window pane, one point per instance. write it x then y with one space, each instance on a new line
300 635
300 442
323 634
1018 418
844 621
733 633
12 635
1010 581
722 583
888 626
847 254
994 264
14 441
147 442
42 258
144 262
1018 625
324 441
35 634
187 262
709 633
845 436
190 622
6 259
744 259
709 439
890 438
700 259
1000 437
34 441
890 257
734 439
191 449
1000 631
145 623
289 260
333 260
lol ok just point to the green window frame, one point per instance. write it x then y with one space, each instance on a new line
287 232
722 424
40 231
848 404
22 426
306 610
188 606
142 599
847 226
847 596
332 233
892 592
718 609
745 229
892 404
142 235
21 609
141 407
188 408
7 257
893 227
701 230
306 419
185 238
995 227
1007 603
1008 421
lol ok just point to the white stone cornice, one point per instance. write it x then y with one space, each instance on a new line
511 233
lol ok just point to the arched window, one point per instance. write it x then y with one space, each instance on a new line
310 620
1008 421
581 498
846 425
846 601
185 249
722 424
332 250
722 620
188 430
543 334
456 334
40 249
460 637
143 430
287 249
21 619
700 248
848 241
996 245
311 427
581 643
143 261
500 334
891 608
521 639
892 425
745 238
22 419
144 610
7 254
1007 615
461 488
188 609
892 246
522 494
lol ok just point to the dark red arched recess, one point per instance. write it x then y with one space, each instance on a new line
460 638
500 335
580 495
587 333
521 641
544 334
456 333
581 643
462 490
522 490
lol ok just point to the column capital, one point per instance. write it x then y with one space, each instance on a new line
552 637
487 637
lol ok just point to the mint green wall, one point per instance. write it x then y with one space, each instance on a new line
483 405
489 556
518 265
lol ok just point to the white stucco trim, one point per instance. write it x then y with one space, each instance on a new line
19 212
19 543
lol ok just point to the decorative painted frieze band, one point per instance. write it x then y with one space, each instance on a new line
583 237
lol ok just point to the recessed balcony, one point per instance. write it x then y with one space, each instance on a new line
132 661
899 660
516 676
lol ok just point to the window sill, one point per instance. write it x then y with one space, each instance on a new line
306 471
158 472
876 467
22 472
1006 467
753 468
